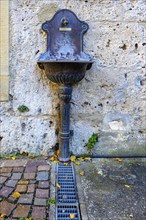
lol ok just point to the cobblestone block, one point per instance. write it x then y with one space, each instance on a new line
6 208
38 212
30 169
29 176
18 169
16 176
6 191
5 174
21 188
21 211
31 188
2 179
42 175
11 183
14 163
6 170
43 184
40 202
42 193
26 199
44 168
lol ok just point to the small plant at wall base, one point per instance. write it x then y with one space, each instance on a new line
92 141
23 108
51 201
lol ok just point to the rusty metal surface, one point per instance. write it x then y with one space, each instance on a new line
65 38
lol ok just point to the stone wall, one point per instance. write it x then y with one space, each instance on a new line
110 100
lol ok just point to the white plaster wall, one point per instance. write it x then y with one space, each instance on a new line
109 101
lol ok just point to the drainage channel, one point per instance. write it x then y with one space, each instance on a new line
67 206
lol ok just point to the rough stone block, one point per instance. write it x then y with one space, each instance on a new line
11 183
42 193
42 175
21 211
21 188
6 191
39 202
16 176
43 184
6 208
38 212
29 176
31 188
26 199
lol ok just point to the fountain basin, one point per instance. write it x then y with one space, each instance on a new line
65 71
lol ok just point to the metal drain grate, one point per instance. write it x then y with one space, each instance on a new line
67 200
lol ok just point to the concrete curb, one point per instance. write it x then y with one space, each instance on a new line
52 210
81 197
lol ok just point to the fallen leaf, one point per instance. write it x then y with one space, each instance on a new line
82 173
52 158
23 182
87 158
118 159
57 152
65 164
127 186
103 161
45 155
58 186
56 161
13 158
72 216
31 156
73 158
2 215
77 163
81 159
16 195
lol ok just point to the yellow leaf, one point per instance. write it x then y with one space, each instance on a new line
127 186
82 173
73 158
23 182
118 159
87 158
77 163
2 215
80 159
16 195
52 158
31 156
57 152
45 154
58 186
65 164
103 161
13 158
56 161
72 216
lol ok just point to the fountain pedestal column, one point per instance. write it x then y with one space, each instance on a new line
65 93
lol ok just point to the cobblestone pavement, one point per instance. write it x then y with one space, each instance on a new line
30 178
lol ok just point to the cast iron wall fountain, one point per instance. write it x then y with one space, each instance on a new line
65 63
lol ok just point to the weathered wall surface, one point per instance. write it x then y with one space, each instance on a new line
109 101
